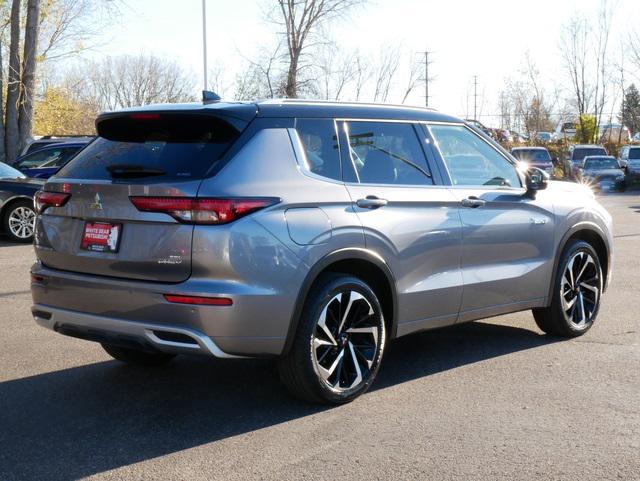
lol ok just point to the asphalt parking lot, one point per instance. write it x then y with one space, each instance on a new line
487 400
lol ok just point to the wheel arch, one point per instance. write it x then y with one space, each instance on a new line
595 236
358 262
12 200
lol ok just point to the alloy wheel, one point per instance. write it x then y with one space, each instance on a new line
347 340
22 221
580 289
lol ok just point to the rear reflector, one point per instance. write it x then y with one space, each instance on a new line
202 211
44 199
200 301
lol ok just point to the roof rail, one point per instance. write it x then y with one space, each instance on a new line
337 102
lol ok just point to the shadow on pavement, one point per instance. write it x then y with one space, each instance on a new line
76 422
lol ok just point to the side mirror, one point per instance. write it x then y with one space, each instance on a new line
554 160
536 180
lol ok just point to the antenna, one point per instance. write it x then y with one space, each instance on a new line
209 97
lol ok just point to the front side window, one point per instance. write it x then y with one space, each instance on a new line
470 160
320 142
387 153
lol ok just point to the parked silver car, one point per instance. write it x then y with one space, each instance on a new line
312 232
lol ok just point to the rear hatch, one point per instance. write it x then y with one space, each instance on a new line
97 229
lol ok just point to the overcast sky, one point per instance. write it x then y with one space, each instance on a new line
486 38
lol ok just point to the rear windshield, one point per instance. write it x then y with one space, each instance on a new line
151 147
634 153
579 154
532 155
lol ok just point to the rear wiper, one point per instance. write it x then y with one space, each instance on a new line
122 171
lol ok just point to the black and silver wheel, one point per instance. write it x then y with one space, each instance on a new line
576 298
20 221
339 342
137 357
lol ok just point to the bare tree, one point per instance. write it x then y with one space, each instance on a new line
363 73
334 71
525 100
2 147
585 53
574 46
415 72
264 74
25 114
128 81
301 20
634 50
68 27
602 76
12 132
385 72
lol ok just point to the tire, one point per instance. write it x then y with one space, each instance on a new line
136 357
18 221
576 293
335 357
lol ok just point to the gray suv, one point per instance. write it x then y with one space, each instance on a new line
311 232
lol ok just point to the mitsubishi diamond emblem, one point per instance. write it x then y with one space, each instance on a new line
97 203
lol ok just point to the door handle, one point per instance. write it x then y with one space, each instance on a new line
371 202
472 202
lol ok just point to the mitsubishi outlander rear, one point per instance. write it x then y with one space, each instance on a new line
308 231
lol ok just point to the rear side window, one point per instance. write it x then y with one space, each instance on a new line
387 153
153 147
320 142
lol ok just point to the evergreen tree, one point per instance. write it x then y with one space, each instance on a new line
630 113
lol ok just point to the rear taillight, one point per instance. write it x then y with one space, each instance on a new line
202 211
43 199
199 300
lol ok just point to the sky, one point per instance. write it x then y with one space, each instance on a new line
488 39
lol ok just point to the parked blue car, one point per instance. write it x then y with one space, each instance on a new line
45 162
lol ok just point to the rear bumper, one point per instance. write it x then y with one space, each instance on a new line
155 337
112 310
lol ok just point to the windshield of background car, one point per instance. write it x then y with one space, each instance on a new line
580 153
532 155
8 172
634 153
600 164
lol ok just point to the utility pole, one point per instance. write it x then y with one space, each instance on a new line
204 41
426 76
475 97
